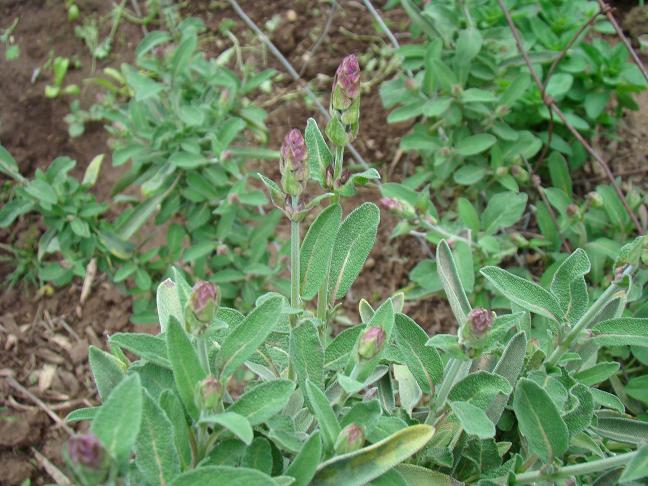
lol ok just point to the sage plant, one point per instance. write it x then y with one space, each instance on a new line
273 398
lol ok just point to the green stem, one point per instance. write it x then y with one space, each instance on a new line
446 234
203 353
584 321
339 157
294 262
576 469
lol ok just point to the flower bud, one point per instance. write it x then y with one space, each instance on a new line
520 174
371 342
480 320
456 90
202 306
209 394
572 210
501 171
293 164
401 208
86 450
595 199
351 438
346 84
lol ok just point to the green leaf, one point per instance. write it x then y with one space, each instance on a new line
353 243
608 400
138 217
359 467
183 53
473 419
503 210
621 331
107 371
468 45
263 401
475 144
559 172
452 283
421 476
637 388
157 459
480 389
187 371
524 293
243 341
305 463
117 423
317 248
187 160
597 373
319 154
539 421
620 428
151 348
168 304
8 165
41 191
559 85
423 361
509 366
569 287
637 468
259 456
579 416
172 407
86 413
231 476
409 393
143 86
321 408
306 354
235 423
92 171
468 214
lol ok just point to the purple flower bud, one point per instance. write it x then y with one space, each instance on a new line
390 203
481 320
86 450
201 306
293 149
347 76
209 394
293 165
351 438
371 342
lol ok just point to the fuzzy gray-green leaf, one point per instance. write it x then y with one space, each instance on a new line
263 401
324 413
243 341
187 371
157 458
539 421
316 250
359 467
621 331
423 361
569 287
117 423
107 371
509 366
524 293
451 282
306 354
354 241
305 463
319 154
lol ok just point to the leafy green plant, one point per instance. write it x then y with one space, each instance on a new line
481 126
60 66
70 213
12 50
274 398
175 117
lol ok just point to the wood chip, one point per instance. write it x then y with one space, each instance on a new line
45 377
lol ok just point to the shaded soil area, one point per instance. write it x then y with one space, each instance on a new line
44 334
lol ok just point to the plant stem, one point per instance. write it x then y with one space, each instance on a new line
576 469
294 262
582 323
446 234
203 353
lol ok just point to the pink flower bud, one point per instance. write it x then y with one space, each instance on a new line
293 149
481 320
351 438
390 203
86 450
293 165
371 342
202 306
348 76
209 394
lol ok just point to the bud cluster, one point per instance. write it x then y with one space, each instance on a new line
371 342
209 394
293 163
202 306
345 102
